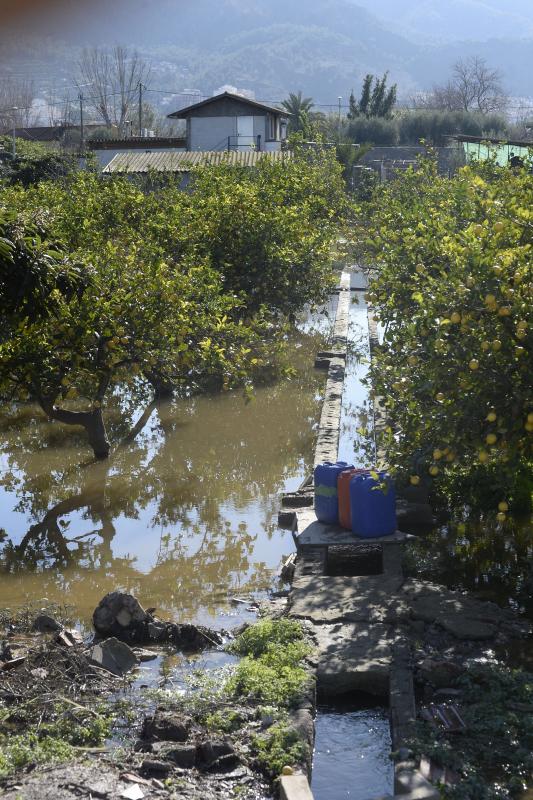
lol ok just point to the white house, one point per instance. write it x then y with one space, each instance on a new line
231 122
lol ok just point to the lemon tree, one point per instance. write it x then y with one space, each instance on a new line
453 289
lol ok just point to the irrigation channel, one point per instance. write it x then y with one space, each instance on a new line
186 519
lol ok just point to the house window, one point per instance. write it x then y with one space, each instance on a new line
272 127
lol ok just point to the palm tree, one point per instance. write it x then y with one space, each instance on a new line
298 108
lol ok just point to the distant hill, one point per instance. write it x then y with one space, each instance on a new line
456 20
323 47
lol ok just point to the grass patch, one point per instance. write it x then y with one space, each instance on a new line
66 727
18 752
495 757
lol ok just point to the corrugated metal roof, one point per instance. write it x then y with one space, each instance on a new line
124 163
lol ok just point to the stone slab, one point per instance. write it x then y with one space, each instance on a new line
114 656
328 599
353 658
312 533
295 787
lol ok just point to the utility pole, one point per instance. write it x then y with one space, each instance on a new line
140 109
82 129
339 99
14 149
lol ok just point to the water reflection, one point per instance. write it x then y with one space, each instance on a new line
184 515
495 562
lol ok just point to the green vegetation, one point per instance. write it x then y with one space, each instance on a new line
494 759
34 162
377 99
279 748
453 290
54 738
270 672
140 294
270 669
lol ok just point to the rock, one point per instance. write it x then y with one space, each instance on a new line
182 755
44 623
120 614
465 628
166 726
211 750
414 494
151 765
145 655
69 638
414 515
114 656
441 674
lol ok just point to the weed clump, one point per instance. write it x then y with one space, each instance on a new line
280 747
271 666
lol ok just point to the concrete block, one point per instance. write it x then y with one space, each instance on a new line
411 782
353 658
295 787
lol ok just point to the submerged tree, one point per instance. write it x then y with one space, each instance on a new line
72 334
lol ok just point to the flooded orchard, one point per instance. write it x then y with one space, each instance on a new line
184 517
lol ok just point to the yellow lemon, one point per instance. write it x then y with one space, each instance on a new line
496 345
530 417
491 416
485 346
499 227
287 771
420 268
450 457
414 480
501 517
504 311
437 454
522 324
434 470
521 333
491 438
529 427
455 317
478 230
412 361
490 300
439 396
483 456
474 364
520 351
503 506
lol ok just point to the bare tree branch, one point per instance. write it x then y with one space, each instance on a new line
474 86
112 79
16 103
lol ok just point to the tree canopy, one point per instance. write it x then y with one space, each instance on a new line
377 99
453 290
120 290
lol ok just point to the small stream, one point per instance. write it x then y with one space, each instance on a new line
352 749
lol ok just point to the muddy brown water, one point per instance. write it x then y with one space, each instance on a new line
185 517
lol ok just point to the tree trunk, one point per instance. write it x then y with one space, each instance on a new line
97 434
92 421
